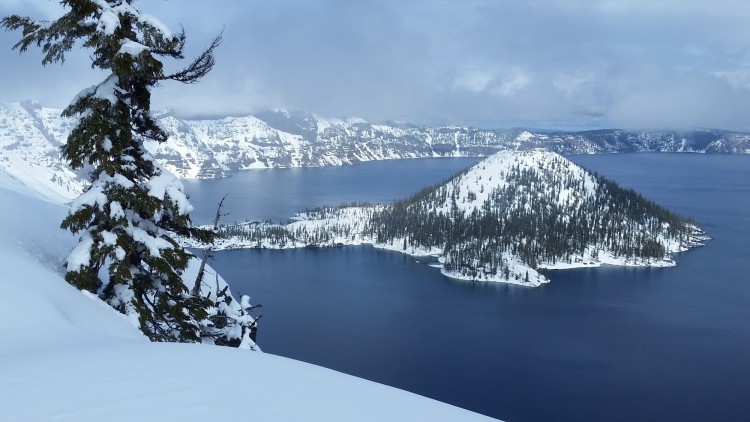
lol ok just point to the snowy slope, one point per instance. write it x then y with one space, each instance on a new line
474 188
30 150
128 381
38 309
67 356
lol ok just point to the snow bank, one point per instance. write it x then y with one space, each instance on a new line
66 356
129 381
38 309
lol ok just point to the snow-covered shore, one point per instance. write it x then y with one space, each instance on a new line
355 218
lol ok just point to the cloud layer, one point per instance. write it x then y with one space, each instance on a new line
539 63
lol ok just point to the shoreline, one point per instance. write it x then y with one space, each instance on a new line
433 257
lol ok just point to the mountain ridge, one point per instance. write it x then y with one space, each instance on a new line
209 148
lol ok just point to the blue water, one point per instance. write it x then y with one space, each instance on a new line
277 194
607 344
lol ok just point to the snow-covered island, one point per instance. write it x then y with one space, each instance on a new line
503 220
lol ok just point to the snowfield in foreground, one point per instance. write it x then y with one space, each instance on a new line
67 356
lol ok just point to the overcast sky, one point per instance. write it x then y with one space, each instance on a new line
536 63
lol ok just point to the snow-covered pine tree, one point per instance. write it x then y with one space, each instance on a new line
126 215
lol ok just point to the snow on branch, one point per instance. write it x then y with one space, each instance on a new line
80 257
155 23
166 186
105 90
108 23
132 47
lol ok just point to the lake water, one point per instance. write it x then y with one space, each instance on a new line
607 344
277 194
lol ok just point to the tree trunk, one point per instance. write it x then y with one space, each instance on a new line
208 254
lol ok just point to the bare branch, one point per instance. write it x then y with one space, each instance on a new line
199 67
208 254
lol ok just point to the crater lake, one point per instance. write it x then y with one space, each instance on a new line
610 343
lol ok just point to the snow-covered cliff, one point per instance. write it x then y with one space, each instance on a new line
31 135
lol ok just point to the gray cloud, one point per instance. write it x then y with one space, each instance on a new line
541 63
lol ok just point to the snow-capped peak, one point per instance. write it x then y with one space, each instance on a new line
524 136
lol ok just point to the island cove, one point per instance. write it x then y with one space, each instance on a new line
504 219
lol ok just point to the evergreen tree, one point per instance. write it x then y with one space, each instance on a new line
127 216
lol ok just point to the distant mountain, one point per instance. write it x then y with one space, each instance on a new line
30 137
504 219
30 140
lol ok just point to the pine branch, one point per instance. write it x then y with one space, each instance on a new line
199 67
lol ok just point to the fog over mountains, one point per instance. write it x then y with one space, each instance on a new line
31 135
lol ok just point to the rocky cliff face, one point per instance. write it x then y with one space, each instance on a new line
30 137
